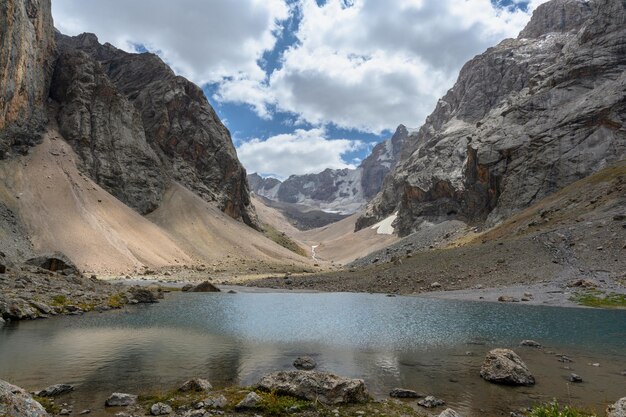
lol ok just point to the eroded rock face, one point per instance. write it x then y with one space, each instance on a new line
503 366
16 402
25 72
181 127
324 387
523 120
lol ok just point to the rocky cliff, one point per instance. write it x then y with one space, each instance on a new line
25 72
523 120
340 190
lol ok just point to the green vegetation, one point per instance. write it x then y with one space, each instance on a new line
48 404
554 409
59 300
277 405
116 300
595 298
283 240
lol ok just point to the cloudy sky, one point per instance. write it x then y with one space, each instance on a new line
305 85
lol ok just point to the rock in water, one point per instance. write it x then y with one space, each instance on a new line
530 343
252 400
431 402
143 295
503 366
196 384
575 378
206 286
404 393
15 402
618 409
160 409
54 390
448 412
311 385
305 362
119 399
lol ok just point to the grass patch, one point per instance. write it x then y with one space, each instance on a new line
283 240
278 405
116 300
554 409
600 299
48 404
59 300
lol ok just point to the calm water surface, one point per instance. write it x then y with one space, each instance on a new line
433 346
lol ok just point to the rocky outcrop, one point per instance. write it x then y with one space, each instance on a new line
15 402
342 190
54 262
196 385
523 120
25 72
316 386
55 390
503 366
180 126
618 409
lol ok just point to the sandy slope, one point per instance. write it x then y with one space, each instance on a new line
65 211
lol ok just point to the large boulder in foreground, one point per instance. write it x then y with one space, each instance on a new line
503 366
15 402
316 386
618 409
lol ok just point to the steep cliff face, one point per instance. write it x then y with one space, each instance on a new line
342 190
115 105
25 72
524 119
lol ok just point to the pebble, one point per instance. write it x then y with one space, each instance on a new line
575 378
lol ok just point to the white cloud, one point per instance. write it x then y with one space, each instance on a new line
303 152
204 41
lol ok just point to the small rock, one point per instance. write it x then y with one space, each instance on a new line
564 359
160 409
507 299
216 402
64 412
305 362
187 287
575 378
54 390
448 412
431 402
404 393
232 292
252 400
87 411
530 343
196 384
119 399
435 285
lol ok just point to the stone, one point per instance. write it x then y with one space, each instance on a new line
316 386
16 402
252 400
216 402
160 409
143 295
503 366
205 286
431 402
564 358
42 307
575 378
187 287
64 412
530 343
86 411
119 399
404 393
618 409
55 390
196 384
448 412
305 362
55 262
435 285
507 299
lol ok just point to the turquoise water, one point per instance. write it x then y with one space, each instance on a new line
433 346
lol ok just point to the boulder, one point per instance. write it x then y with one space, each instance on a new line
160 409
404 393
618 409
196 384
503 366
16 402
305 362
316 386
252 400
55 262
143 295
187 287
119 399
55 390
448 412
216 402
431 402
575 378
206 286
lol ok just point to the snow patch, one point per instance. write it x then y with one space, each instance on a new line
385 227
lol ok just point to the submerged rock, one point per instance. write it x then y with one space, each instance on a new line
311 385
431 402
503 366
618 409
404 393
196 384
252 400
119 399
305 362
54 390
16 402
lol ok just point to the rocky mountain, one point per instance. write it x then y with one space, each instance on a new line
343 191
523 120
